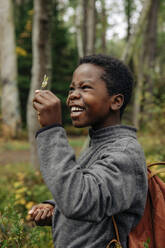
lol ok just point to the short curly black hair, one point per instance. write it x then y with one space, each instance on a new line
117 76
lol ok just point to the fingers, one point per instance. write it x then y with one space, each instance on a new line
34 208
48 106
39 101
44 98
45 213
38 213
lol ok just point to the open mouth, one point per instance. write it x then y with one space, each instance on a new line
76 110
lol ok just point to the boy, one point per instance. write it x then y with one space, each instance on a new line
110 177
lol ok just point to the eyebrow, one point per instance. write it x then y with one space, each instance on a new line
81 82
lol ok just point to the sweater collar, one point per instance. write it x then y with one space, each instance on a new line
111 133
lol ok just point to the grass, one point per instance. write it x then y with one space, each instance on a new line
14 145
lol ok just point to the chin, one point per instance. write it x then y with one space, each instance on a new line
79 125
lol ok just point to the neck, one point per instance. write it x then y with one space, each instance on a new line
114 119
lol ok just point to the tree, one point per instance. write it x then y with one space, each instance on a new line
145 66
89 26
78 22
11 119
129 7
135 36
149 56
23 11
104 26
41 45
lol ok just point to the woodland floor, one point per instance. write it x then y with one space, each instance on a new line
18 151
14 157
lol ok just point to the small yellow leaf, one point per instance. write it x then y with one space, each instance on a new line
44 83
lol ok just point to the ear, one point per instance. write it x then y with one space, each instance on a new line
116 102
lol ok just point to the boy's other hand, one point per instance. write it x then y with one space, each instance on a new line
42 214
48 107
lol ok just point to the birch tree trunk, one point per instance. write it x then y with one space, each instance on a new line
41 65
11 119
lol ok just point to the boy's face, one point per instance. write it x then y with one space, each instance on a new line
88 98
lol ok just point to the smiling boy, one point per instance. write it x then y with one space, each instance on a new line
110 177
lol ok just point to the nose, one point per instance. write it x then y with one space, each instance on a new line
75 94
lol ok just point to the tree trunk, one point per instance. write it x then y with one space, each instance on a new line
89 26
128 12
85 7
41 64
138 29
145 67
104 26
138 67
150 42
78 21
11 119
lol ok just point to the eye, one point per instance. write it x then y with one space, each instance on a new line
86 87
71 89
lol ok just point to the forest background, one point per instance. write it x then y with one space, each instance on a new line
48 37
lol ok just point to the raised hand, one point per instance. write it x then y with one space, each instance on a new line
48 107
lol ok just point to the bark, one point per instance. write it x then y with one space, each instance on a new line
129 19
138 67
79 28
128 11
104 26
145 67
11 119
85 7
149 54
138 29
89 26
41 64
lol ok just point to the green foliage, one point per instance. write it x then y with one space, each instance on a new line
14 145
64 60
153 144
23 21
24 13
73 131
21 188
146 244
64 55
16 232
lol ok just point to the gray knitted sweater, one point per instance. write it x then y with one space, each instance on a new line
108 179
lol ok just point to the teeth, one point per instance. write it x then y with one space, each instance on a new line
76 109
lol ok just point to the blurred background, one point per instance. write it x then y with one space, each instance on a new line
41 37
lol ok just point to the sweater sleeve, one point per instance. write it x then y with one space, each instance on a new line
106 188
